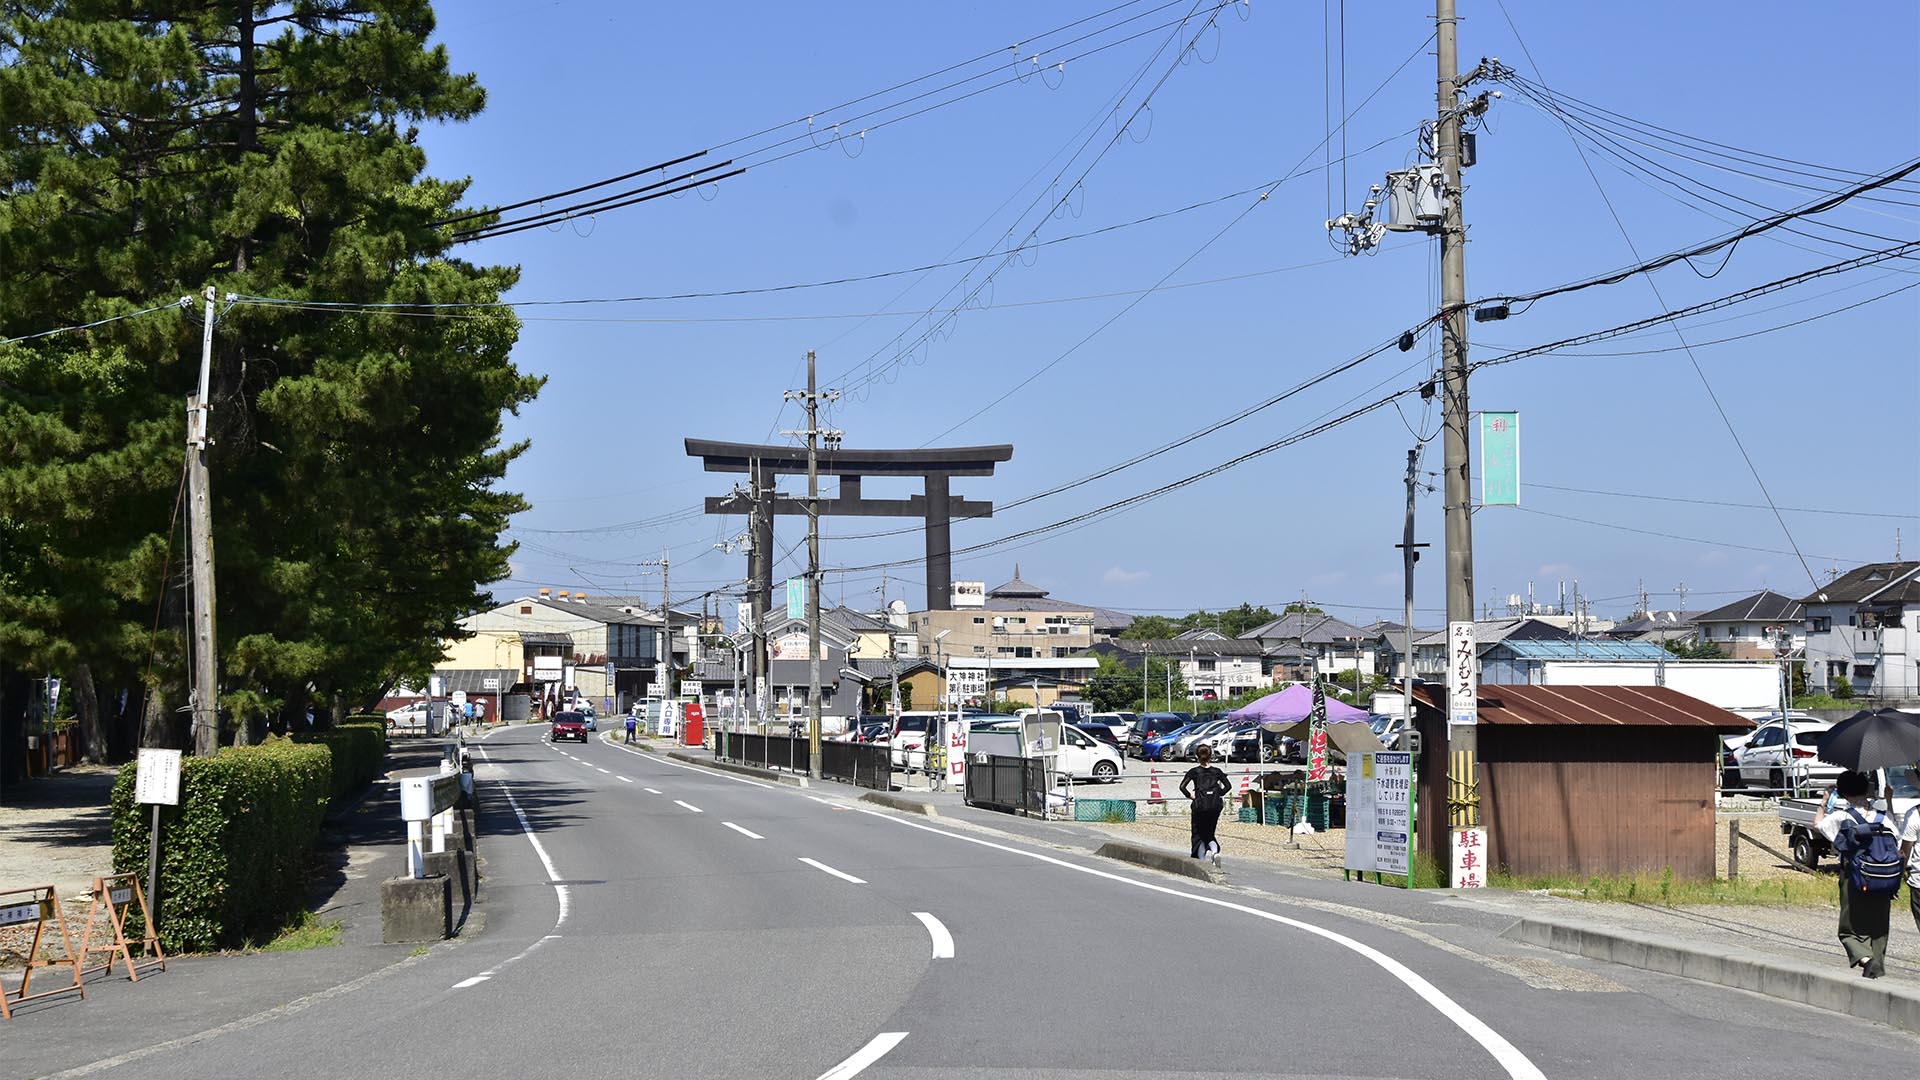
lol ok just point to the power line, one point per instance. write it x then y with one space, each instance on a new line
185 303
1795 552
1718 502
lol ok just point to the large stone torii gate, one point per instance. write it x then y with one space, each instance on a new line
937 506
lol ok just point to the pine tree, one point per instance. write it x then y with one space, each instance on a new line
268 149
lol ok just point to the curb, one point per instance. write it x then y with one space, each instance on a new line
897 802
744 770
1171 862
1807 984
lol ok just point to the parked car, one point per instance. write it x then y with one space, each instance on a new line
1256 744
1119 723
1084 757
568 725
1782 755
1163 747
1149 725
1100 732
408 718
1203 729
908 739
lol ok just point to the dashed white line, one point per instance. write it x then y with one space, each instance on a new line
626 779
475 981
748 833
658 760
609 772
844 876
867 1055
821 801
942 940
690 806
652 791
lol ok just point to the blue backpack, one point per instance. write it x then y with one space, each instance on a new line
1871 853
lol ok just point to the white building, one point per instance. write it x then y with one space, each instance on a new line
1860 629
1755 627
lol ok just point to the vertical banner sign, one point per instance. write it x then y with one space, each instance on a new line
796 598
608 707
1469 858
1317 736
1463 674
1500 459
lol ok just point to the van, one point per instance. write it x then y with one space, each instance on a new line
1147 725
1080 755
908 742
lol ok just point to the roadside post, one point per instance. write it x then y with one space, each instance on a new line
427 800
116 893
36 905
156 781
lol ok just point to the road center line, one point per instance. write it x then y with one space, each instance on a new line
690 806
1517 1065
658 760
844 876
626 779
653 791
942 940
609 772
748 833
865 1056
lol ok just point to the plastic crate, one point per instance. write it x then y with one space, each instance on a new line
1114 810
1248 815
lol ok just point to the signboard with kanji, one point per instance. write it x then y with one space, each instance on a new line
1380 812
1500 459
156 779
1469 858
1463 674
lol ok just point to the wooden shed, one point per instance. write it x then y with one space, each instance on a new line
1590 780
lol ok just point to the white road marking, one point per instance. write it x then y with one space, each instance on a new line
844 876
866 1056
821 801
609 772
942 941
653 791
658 760
690 806
1517 1065
475 981
748 833
626 779
540 850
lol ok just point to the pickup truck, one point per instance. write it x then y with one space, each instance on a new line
1797 816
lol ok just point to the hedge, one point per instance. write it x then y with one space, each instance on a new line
359 748
234 854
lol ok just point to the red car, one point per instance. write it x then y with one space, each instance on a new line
568 725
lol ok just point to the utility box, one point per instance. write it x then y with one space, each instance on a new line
1414 198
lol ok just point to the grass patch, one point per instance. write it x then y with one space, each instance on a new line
1665 890
420 950
308 933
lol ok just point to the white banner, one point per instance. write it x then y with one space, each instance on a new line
1469 858
1463 674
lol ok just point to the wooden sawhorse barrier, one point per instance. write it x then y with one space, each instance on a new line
37 904
114 894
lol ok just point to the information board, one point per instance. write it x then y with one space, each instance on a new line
1380 812
156 778
1463 674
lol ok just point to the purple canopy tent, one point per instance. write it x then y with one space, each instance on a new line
1288 707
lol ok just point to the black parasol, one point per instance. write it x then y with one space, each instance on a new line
1865 741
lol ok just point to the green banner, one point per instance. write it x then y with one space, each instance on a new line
1500 459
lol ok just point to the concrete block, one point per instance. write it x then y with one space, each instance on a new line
456 866
1903 1008
897 802
1170 862
416 909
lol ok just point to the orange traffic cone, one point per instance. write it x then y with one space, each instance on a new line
1153 788
1246 783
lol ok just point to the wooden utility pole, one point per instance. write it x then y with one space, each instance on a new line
204 692
812 397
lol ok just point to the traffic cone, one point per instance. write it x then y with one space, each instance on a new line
1153 788
1246 783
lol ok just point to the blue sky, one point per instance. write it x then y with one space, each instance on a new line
581 90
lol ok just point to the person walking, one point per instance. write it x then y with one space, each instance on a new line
1207 787
1870 867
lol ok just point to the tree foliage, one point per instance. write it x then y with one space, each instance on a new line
1232 622
1115 686
266 149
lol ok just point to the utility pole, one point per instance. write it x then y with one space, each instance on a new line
759 585
666 629
1409 554
204 696
1453 324
812 396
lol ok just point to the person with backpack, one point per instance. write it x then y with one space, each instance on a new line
1207 786
1870 869
1910 848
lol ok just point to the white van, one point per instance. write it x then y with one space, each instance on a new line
1080 755
908 742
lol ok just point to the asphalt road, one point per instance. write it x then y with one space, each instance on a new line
647 918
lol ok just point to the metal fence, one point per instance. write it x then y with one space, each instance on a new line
867 765
1007 783
766 751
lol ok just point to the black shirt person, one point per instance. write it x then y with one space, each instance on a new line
1208 788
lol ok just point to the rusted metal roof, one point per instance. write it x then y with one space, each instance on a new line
1597 706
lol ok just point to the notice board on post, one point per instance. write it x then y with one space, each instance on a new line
1380 813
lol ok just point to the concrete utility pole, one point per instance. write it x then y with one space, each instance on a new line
666 628
759 585
1409 554
812 397
205 692
1453 324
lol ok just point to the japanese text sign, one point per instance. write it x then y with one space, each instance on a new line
1463 674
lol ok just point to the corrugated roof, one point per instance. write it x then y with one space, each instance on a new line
1592 706
1584 649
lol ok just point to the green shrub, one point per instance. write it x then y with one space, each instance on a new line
234 854
359 749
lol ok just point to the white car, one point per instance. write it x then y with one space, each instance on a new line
1780 755
408 718
908 743
1084 757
